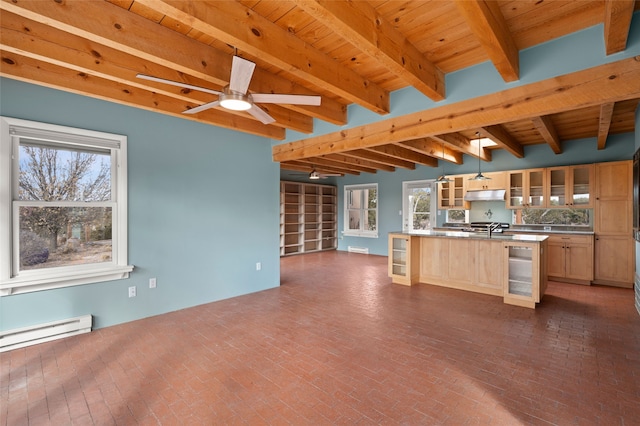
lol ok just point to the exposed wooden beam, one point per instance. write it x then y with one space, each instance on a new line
43 43
359 162
337 165
381 158
547 130
361 25
374 164
490 28
504 140
604 123
323 168
610 82
45 74
121 30
462 144
434 149
401 153
617 21
239 26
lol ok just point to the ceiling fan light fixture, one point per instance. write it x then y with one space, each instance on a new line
235 101
314 175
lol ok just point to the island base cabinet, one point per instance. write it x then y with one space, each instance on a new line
403 259
514 270
525 275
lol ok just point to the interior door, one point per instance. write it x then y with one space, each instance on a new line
418 205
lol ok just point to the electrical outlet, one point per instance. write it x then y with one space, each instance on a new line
132 291
258 266
152 283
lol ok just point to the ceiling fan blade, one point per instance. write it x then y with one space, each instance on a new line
241 72
260 114
176 83
201 107
271 98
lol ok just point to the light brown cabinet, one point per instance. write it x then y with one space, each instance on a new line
471 264
489 272
526 188
403 259
448 260
308 218
525 275
570 186
614 248
498 180
570 258
451 194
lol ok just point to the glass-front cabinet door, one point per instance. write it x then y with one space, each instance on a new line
570 186
526 188
581 184
523 273
401 255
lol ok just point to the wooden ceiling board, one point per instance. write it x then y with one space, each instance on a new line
70 44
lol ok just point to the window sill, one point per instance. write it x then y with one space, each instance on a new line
359 234
50 281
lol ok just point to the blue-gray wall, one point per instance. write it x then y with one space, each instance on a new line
203 209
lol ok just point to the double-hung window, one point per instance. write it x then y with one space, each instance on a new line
361 210
63 219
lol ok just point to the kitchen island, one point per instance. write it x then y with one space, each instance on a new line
510 266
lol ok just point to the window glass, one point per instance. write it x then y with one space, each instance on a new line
52 173
573 217
361 210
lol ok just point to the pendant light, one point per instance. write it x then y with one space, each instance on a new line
479 176
442 178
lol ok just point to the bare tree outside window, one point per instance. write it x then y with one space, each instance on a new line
66 187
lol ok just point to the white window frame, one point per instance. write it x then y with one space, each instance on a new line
13 281
407 212
360 232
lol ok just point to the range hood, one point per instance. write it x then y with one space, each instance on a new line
485 195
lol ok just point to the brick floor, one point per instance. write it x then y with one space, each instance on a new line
337 343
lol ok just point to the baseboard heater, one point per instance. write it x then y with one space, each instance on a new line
32 335
361 250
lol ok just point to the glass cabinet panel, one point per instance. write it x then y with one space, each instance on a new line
557 187
520 271
536 188
581 185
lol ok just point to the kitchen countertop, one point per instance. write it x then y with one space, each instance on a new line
477 235
520 229
552 231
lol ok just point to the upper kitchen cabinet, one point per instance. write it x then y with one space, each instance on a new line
496 180
526 188
570 186
451 194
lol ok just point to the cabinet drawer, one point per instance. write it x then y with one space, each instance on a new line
570 238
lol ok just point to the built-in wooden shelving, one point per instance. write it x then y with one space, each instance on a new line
308 218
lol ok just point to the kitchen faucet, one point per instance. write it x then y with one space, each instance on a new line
492 227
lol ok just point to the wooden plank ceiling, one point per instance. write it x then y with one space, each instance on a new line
347 52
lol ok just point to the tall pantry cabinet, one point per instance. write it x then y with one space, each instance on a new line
614 248
308 218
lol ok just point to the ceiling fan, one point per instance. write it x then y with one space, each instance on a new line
315 175
235 96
